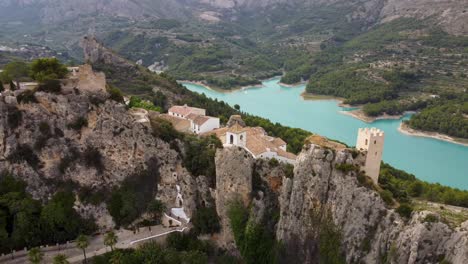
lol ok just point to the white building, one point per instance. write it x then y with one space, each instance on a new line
371 141
256 141
202 124
191 119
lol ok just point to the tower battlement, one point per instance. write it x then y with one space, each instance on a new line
373 132
371 140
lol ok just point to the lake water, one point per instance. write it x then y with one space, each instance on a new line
429 159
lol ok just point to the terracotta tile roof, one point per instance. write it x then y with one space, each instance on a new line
258 141
200 120
185 110
180 124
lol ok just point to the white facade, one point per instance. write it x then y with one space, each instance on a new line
236 139
274 155
371 141
210 124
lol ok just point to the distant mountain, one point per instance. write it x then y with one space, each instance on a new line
451 14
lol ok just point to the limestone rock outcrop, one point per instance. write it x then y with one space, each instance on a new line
370 230
234 167
80 136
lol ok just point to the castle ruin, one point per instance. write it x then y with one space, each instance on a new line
372 142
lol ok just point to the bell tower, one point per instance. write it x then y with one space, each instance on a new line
371 141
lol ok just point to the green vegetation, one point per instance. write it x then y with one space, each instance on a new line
82 242
405 186
93 158
115 94
446 114
200 155
47 69
256 243
132 198
50 86
14 117
60 259
206 220
384 70
35 255
110 239
180 248
25 222
27 97
14 71
136 102
78 123
156 208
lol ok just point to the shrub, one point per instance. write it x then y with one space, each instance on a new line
405 210
431 218
27 97
50 86
139 103
24 153
44 128
67 161
115 94
79 123
288 170
132 198
206 221
14 118
273 163
387 197
41 142
163 129
346 168
93 158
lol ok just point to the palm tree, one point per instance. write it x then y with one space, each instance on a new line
60 259
82 243
35 255
110 239
156 208
116 257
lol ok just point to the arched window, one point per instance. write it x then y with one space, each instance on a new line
242 137
231 139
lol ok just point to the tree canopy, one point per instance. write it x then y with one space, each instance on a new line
47 69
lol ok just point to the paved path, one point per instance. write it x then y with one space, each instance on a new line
126 239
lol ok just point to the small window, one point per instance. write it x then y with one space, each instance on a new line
376 153
366 142
242 137
375 142
231 139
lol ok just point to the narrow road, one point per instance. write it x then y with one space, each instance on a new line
126 239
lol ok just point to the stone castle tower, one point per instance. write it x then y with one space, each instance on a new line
371 141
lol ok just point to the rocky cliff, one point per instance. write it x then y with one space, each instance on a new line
81 137
371 231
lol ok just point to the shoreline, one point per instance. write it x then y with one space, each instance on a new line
294 85
405 129
359 114
219 89
317 97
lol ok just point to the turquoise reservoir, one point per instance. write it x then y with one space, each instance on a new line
429 159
